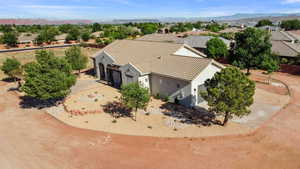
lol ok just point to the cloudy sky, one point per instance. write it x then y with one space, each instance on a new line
112 9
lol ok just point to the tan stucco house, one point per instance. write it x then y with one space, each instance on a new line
169 69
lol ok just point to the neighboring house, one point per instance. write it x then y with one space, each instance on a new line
199 42
27 38
286 49
282 36
159 38
270 28
61 38
97 34
169 69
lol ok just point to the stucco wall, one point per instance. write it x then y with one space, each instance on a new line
129 74
105 60
186 52
207 73
171 87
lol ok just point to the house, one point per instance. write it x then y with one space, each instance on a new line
286 49
27 38
199 42
61 38
168 69
270 28
156 37
282 36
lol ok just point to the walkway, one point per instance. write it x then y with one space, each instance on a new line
31 139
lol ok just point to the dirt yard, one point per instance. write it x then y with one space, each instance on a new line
86 105
29 56
31 139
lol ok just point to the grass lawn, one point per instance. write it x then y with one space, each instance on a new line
29 56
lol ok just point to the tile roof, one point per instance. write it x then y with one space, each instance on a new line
287 49
200 41
281 36
159 38
156 57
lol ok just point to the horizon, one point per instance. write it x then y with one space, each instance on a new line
140 9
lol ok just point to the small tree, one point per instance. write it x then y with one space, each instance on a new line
229 92
134 96
216 49
76 58
12 68
264 22
252 46
10 39
48 78
85 36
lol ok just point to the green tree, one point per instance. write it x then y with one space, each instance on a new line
293 24
76 58
229 92
216 48
85 36
264 22
47 35
10 39
252 46
11 67
135 97
48 78
73 34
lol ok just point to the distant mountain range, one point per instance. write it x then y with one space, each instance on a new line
235 17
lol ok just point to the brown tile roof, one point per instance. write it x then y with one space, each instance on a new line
27 37
281 36
287 49
156 57
159 38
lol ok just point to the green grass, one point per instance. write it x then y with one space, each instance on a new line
29 56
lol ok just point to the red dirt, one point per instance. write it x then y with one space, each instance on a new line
31 139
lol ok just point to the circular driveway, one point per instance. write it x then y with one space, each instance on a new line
31 139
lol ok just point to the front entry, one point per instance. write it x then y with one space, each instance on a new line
102 71
114 77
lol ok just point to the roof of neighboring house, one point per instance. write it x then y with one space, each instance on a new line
231 30
159 38
156 57
61 36
97 34
27 37
200 41
281 36
295 35
287 49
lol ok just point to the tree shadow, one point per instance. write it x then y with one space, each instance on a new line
9 80
28 102
198 116
117 110
89 72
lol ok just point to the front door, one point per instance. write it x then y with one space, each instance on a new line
102 71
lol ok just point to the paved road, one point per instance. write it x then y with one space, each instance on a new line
31 139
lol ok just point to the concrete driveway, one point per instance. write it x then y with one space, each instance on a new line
31 139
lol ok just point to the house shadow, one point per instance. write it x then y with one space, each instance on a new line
89 72
28 102
117 110
198 116
290 69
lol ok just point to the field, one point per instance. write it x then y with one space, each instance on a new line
29 56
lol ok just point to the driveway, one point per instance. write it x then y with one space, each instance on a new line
31 139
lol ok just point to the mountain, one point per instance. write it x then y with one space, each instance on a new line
41 22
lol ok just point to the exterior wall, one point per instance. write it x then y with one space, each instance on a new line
186 52
174 88
129 74
144 81
105 60
198 83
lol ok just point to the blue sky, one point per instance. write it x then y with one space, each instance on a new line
121 9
